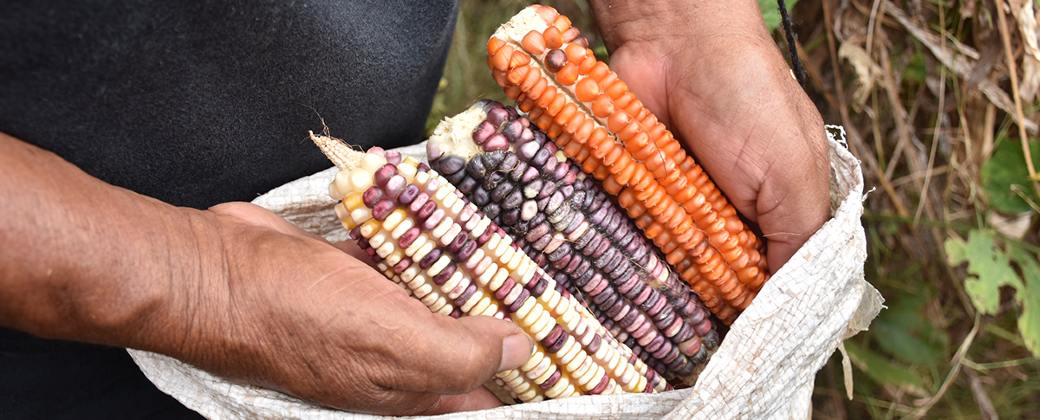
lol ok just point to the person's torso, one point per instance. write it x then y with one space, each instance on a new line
197 103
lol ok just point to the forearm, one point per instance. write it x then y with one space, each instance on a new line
689 21
83 260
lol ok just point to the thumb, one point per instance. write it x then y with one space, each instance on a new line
454 356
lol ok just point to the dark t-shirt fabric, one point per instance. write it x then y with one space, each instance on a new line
197 103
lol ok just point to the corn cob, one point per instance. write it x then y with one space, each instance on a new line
428 238
566 224
543 63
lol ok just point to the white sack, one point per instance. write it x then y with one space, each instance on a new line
764 368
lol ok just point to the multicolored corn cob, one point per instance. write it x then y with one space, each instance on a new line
569 226
543 63
430 239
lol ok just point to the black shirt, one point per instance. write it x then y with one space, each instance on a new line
197 103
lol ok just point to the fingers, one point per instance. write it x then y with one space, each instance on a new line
453 356
351 248
408 403
791 206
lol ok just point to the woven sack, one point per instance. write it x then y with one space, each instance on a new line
764 368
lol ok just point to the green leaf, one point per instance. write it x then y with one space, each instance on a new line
988 268
771 12
1006 179
915 69
904 332
1029 295
882 371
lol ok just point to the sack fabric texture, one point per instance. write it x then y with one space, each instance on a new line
764 368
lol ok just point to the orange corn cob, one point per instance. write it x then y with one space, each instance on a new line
543 63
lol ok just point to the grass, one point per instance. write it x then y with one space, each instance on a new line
925 94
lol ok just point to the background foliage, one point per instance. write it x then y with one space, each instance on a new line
926 94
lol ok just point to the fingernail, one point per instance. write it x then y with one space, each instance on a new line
516 349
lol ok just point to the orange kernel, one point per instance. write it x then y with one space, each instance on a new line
567 75
553 38
586 90
533 42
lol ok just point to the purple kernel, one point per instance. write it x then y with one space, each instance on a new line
513 130
382 209
402 265
497 116
601 386
429 259
459 301
553 335
435 218
555 59
426 210
371 196
408 194
394 186
393 157
496 142
456 244
444 275
409 237
484 237
526 134
448 165
528 150
467 250
483 132
384 173
520 299
419 202
550 381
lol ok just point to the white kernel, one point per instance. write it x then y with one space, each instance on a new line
452 281
471 302
558 389
401 228
361 215
423 290
456 207
481 306
514 261
407 169
422 177
393 219
481 226
394 258
442 227
476 258
429 300
500 277
524 310
492 244
425 249
359 181
409 273
486 274
452 233
414 247
438 265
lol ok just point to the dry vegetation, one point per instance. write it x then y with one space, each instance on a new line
936 99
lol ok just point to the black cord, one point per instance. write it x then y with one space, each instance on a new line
792 49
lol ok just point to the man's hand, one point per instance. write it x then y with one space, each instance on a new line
234 290
712 74
298 315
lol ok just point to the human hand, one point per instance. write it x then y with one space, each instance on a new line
293 313
712 74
